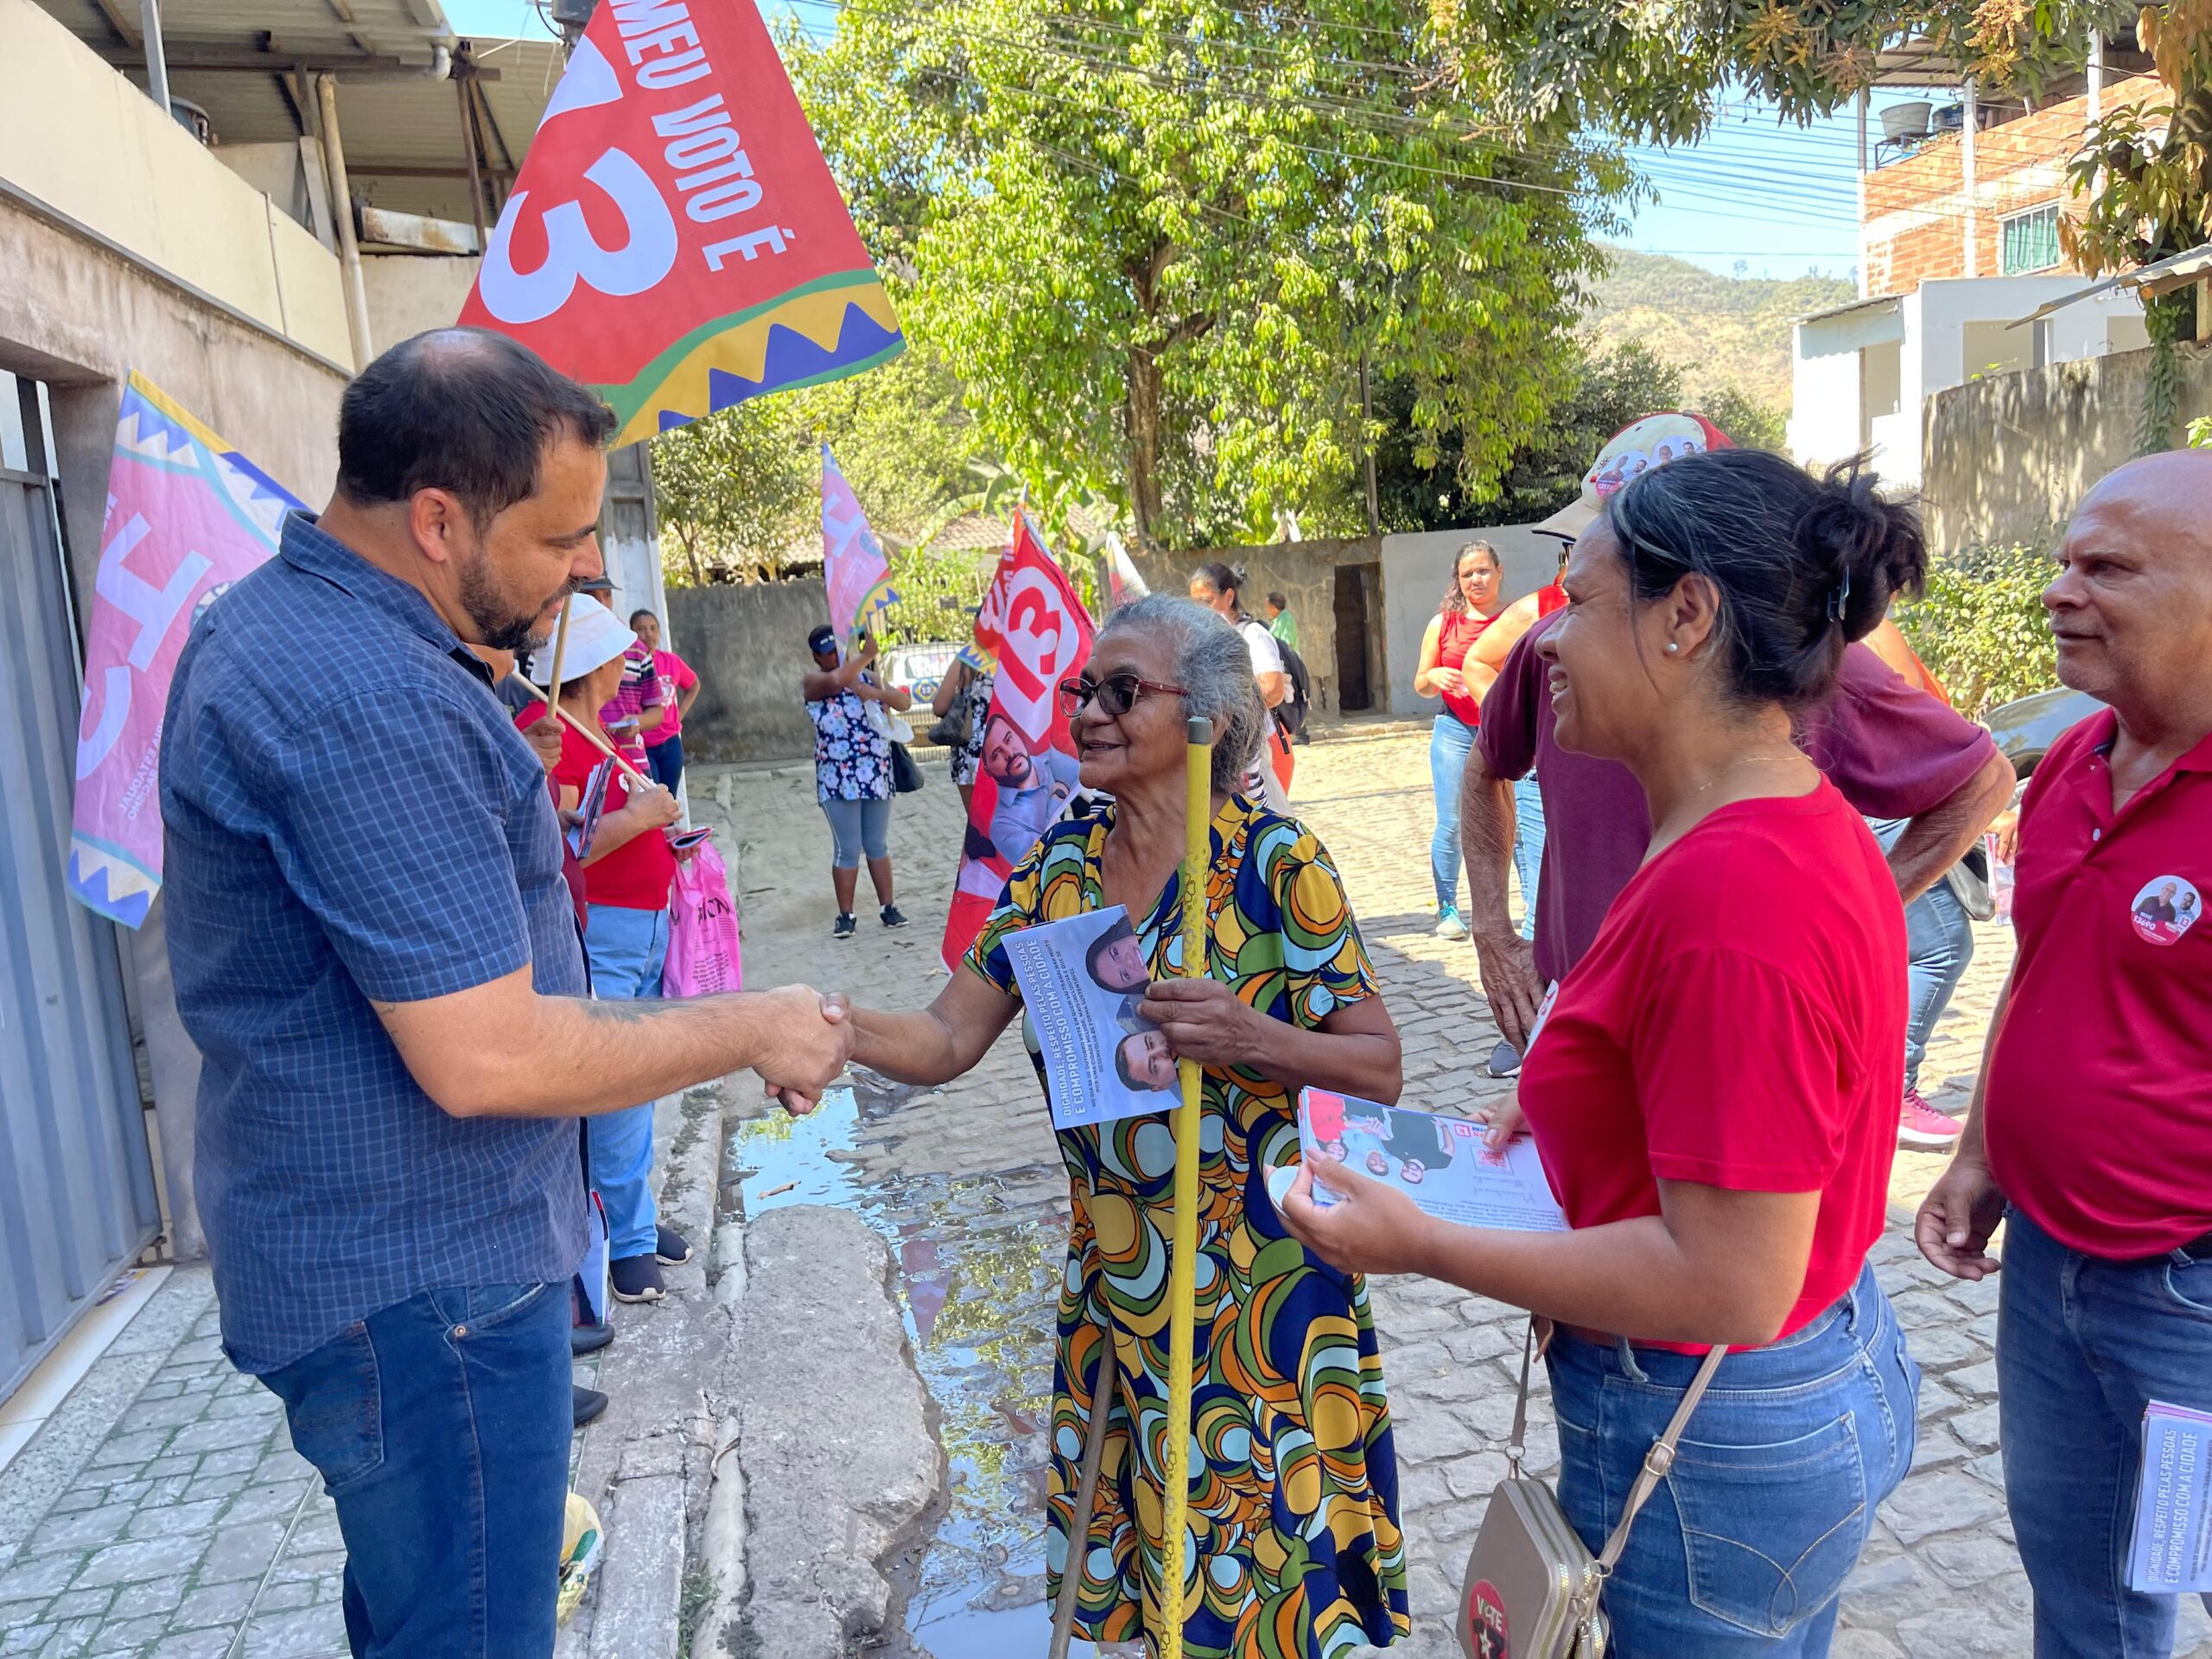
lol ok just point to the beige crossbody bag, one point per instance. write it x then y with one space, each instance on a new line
1532 1586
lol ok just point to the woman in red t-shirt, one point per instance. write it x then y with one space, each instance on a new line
1715 1092
628 869
1470 606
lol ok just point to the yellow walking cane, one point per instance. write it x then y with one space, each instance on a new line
1182 1282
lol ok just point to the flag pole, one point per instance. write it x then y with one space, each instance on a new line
559 650
553 707
1198 818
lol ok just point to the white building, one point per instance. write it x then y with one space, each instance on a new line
1862 373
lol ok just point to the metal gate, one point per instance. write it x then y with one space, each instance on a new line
77 1197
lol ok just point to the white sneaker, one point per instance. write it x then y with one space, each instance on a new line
1448 924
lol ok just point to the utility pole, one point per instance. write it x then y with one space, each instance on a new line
1367 444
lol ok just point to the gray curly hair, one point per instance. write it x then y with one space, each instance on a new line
1214 668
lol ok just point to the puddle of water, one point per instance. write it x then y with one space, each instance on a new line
979 1277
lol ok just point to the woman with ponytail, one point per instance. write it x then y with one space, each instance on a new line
1714 1093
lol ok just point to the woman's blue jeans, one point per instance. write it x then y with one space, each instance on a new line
1528 846
1745 1546
1449 741
2082 1346
628 949
1939 945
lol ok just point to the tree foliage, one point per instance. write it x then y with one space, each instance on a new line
1606 390
1981 627
738 490
1156 239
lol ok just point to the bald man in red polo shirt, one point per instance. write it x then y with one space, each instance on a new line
2091 1129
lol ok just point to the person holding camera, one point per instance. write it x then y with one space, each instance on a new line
852 769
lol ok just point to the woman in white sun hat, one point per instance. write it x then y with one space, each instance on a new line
628 869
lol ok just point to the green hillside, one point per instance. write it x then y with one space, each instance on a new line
1718 329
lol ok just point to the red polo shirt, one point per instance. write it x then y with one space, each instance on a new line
2099 1108
1736 1024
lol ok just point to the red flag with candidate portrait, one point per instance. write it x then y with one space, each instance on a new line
1034 625
675 240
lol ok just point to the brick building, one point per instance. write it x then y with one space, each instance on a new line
1960 207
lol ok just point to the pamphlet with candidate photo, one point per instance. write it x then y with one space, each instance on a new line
1082 980
1438 1162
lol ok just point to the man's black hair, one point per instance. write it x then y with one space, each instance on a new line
1129 1078
464 410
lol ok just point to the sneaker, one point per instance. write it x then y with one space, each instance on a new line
588 1338
893 917
1921 1126
586 1405
636 1279
1448 924
847 923
671 1248
1505 1060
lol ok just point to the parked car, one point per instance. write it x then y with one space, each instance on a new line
2025 729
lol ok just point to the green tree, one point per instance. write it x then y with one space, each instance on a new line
738 489
1155 241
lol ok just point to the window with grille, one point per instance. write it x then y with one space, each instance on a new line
2031 242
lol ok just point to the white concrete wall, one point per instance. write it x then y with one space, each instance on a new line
409 293
1824 412
1416 571
83 142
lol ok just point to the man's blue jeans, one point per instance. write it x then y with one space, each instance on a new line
1745 1546
440 1427
2082 1346
1528 847
628 949
1449 738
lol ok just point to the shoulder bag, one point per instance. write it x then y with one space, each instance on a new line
1532 1587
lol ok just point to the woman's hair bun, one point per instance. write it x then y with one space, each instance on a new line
1873 548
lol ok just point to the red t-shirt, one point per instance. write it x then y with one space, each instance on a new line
2099 1110
1894 751
636 875
1453 640
1738 1024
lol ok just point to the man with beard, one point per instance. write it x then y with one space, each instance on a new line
1033 788
376 954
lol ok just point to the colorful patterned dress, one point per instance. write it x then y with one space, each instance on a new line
1295 1551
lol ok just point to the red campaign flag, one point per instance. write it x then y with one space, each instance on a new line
1033 622
675 240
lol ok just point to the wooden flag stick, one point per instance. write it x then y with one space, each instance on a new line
1086 1497
1182 1262
559 650
588 735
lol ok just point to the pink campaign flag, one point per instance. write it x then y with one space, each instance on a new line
853 566
187 516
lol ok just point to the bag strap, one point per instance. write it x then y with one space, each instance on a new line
1656 1462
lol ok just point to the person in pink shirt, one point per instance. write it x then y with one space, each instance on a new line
664 742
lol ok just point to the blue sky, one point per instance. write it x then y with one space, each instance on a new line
1780 199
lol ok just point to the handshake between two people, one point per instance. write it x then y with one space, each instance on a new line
809 1039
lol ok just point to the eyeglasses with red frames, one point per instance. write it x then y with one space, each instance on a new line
1116 694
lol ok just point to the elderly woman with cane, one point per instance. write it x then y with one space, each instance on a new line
1293 1545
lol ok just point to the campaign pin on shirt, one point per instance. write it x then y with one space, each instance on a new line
2168 907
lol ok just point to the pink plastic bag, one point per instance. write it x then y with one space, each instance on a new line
705 953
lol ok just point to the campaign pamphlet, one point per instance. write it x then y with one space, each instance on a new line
2172 1550
1082 979
683 841
1438 1162
591 806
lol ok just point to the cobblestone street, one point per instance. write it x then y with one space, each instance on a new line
159 1511
1940 1577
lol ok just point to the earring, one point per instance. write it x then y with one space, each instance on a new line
1672 647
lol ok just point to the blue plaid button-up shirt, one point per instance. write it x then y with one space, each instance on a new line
351 814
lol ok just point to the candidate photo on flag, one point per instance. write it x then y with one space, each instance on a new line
1035 626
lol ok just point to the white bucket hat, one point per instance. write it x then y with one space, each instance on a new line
595 638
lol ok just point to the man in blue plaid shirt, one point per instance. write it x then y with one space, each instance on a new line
375 952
